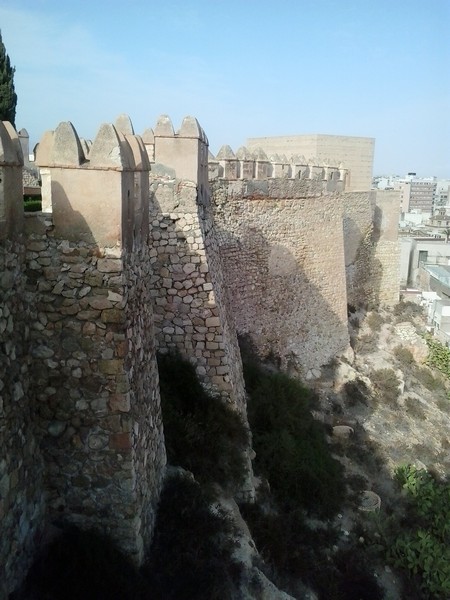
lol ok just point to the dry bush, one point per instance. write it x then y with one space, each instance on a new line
386 384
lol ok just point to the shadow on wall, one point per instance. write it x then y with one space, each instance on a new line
191 305
275 302
96 402
365 272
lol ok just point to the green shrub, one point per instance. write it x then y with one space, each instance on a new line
32 205
291 448
296 550
202 433
439 356
191 553
423 549
386 384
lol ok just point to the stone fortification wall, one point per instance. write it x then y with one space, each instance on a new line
22 506
191 306
358 244
282 247
354 153
386 258
96 381
256 164
372 251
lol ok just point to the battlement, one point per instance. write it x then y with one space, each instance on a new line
256 164
11 198
82 184
183 153
131 256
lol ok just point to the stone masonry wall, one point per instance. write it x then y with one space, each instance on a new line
281 243
190 300
96 375
387 250
358 243
22 505
94 363
372 251
22 501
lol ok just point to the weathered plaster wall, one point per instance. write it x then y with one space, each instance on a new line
282 246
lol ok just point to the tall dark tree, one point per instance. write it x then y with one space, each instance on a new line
8 96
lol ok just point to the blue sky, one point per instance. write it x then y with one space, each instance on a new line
244 68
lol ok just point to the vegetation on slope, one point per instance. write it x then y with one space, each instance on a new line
83 565
203 434
191 554
421 544
291 448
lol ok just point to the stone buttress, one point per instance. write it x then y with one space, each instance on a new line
95 372
191 300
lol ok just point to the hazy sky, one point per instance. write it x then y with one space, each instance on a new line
244 68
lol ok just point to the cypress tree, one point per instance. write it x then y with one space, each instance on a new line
8 97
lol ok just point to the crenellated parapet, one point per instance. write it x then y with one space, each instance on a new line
89 267
97 191
256 164
11 194
183 153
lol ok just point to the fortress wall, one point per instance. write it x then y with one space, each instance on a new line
259 165
356 153
22 507
372 251
95 366
358 244
282 248
387 250
191 307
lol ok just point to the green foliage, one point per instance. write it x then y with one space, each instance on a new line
291 448
439 356
8 96
31 204
423 549
421 553
82 564
202 433
191 554
298 550
386 384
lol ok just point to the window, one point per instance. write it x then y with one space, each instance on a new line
423 256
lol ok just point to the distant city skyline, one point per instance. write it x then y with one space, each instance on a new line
244 69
